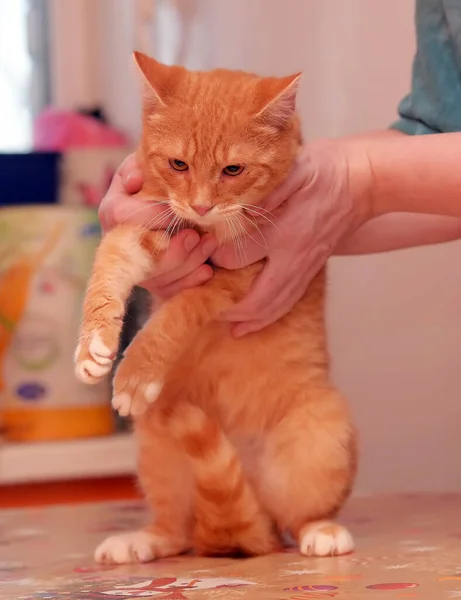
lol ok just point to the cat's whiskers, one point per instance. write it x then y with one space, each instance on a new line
255 225
236 226
226 231
146 205
173 228
254 210
256 207
266 218
167 233
242 232
176 228
232 232
155 222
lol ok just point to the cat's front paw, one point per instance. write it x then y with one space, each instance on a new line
134 388
97 347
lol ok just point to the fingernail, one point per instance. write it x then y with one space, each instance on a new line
191 241
205 276
127 179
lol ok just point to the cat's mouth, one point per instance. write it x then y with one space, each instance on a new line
199 217
226 223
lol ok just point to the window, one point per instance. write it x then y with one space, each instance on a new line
24 85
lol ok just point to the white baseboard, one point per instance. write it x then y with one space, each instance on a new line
70 459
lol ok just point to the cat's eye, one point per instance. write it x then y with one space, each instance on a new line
233 170
178 165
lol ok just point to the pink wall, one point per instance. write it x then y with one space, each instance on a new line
394 320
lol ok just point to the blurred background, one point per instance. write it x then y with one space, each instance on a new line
69 113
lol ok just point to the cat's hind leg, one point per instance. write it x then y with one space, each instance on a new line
167 483
307 470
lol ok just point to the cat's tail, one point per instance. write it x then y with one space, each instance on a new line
228 517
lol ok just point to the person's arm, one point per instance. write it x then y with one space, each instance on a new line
420 174
336 187
399 231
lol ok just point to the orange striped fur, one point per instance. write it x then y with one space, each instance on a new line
240 440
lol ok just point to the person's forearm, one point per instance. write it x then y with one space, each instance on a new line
373 135
399 231
420 174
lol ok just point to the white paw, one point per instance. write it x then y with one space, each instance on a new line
122 404
138 546
325 539
99 361
89 371
99 351
126 404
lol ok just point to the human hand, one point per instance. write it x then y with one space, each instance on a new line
322 201
182 266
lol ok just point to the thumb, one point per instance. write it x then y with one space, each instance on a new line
130 175
300 175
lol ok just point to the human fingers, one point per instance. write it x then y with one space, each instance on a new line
131 175
230 256
194 279
272 312
263 292
183 258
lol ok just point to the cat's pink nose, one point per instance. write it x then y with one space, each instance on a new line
201 209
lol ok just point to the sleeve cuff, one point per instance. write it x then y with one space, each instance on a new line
411 127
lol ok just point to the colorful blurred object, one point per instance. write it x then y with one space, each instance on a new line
46 253
60 130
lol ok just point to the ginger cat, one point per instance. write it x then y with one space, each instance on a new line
240 440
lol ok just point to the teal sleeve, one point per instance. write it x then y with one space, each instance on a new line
434 103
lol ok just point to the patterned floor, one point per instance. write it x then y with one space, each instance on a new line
407 547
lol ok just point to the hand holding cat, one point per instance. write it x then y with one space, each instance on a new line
183 265
318 205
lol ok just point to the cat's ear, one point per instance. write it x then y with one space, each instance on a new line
279 100
159 80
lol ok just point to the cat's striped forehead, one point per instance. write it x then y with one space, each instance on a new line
212 100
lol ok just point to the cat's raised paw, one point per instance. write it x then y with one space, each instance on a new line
135 397
324 538
134 547
93 358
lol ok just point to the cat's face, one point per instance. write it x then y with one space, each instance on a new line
216 143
